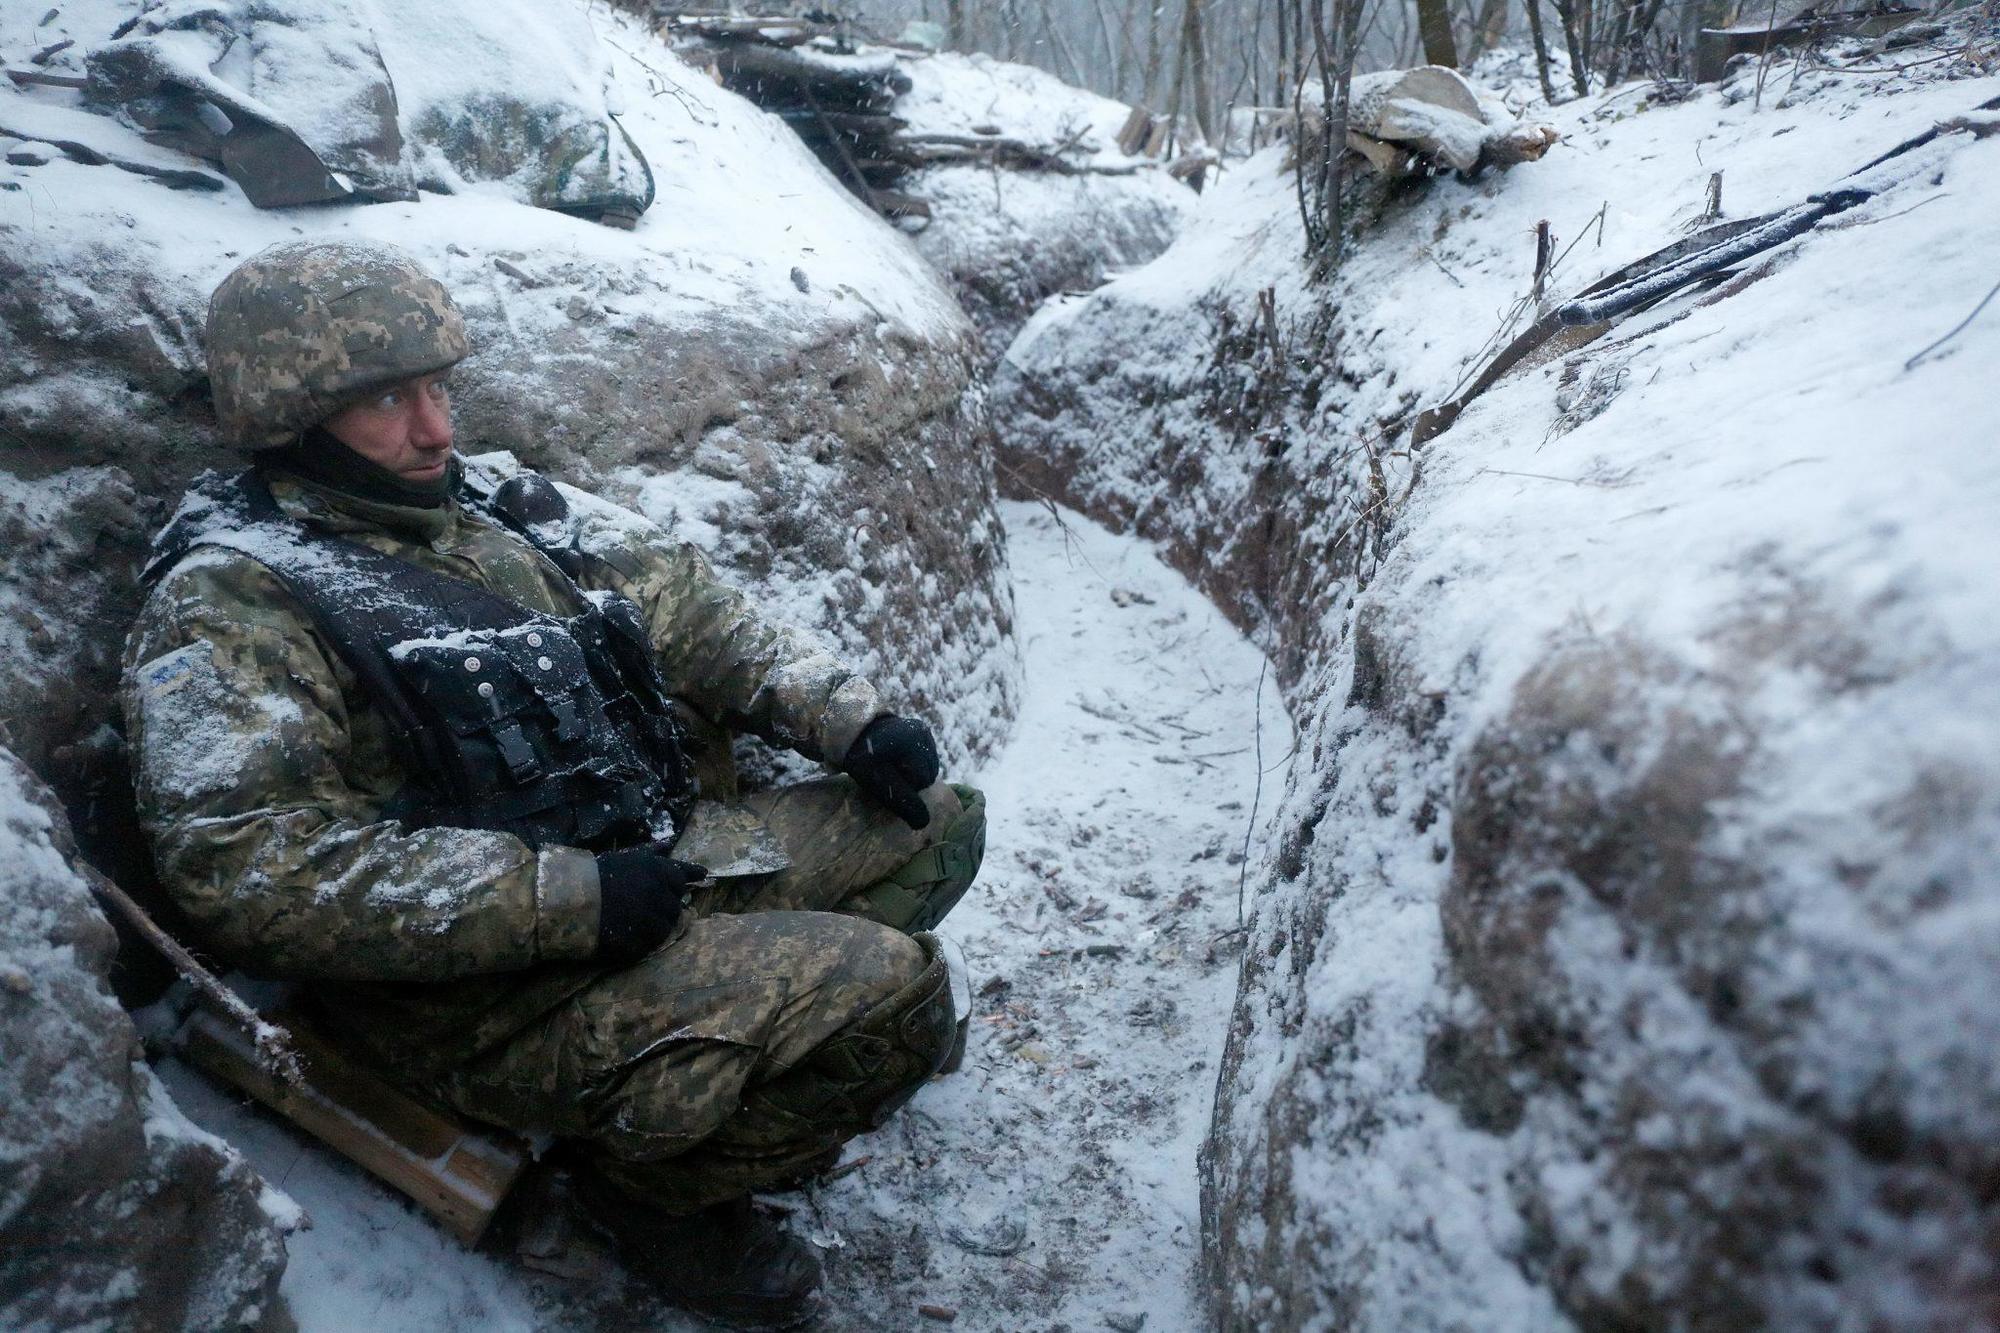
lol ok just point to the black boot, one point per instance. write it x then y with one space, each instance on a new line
729 1264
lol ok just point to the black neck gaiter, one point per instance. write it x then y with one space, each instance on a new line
323 460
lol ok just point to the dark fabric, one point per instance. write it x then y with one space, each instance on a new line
729 1262
558 731
641 894
892 761
323 460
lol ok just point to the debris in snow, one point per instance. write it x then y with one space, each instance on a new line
95 141
1008 1236
1398 120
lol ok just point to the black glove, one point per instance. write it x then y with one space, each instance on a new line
892 761
640 894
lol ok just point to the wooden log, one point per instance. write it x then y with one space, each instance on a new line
860 125
773 31
896 204
1386 158
454 1171
1136 133
800 79
46 78
1715 47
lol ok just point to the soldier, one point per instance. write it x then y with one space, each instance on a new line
448 744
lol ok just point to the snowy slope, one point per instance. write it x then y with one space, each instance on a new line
1628 952
1008 239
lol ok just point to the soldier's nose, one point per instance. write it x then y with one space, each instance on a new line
430 426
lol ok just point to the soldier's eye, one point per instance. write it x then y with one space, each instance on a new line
440 392
389 401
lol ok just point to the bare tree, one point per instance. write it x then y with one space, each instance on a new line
1434 22
1534 8
1196 48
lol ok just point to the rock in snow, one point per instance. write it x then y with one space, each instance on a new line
1627 958
117 1213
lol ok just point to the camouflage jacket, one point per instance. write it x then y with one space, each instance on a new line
262 766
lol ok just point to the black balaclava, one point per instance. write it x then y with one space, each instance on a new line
323 459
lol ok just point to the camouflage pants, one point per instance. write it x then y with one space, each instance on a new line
701 1072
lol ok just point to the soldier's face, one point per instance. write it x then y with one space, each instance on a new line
405 428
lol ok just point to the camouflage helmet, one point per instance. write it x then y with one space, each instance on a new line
299 331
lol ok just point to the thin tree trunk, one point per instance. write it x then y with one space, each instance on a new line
1060 47
1196 57
1534 8
1114 54
1152 88
1434 21
1282 73
1174 100
1487 29
1579 69
1256 65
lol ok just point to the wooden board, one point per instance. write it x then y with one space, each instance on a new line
455 1171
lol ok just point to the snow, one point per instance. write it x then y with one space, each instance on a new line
1119 810
976 95
1767 492
1009 238
717 237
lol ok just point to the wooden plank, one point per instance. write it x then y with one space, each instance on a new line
456 1172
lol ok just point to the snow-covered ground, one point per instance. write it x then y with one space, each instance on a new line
1645 859
1051 1181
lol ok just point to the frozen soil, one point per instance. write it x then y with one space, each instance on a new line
1051 1183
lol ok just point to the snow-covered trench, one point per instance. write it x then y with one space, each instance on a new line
1626 958
1052 1181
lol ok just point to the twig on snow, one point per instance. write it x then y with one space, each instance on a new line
1957 329
1256 798
1048 502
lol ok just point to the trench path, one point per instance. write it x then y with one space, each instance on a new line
1051 1183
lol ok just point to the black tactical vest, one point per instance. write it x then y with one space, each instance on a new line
557 730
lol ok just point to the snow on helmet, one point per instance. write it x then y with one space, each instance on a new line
298 331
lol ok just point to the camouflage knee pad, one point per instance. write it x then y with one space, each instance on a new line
865 1072
918 893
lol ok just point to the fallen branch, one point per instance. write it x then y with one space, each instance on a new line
943 149
46 79
771 31
1772 230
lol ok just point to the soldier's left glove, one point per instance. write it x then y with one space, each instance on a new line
892 761
641 894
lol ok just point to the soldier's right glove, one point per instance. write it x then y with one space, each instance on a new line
640 895
892 761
